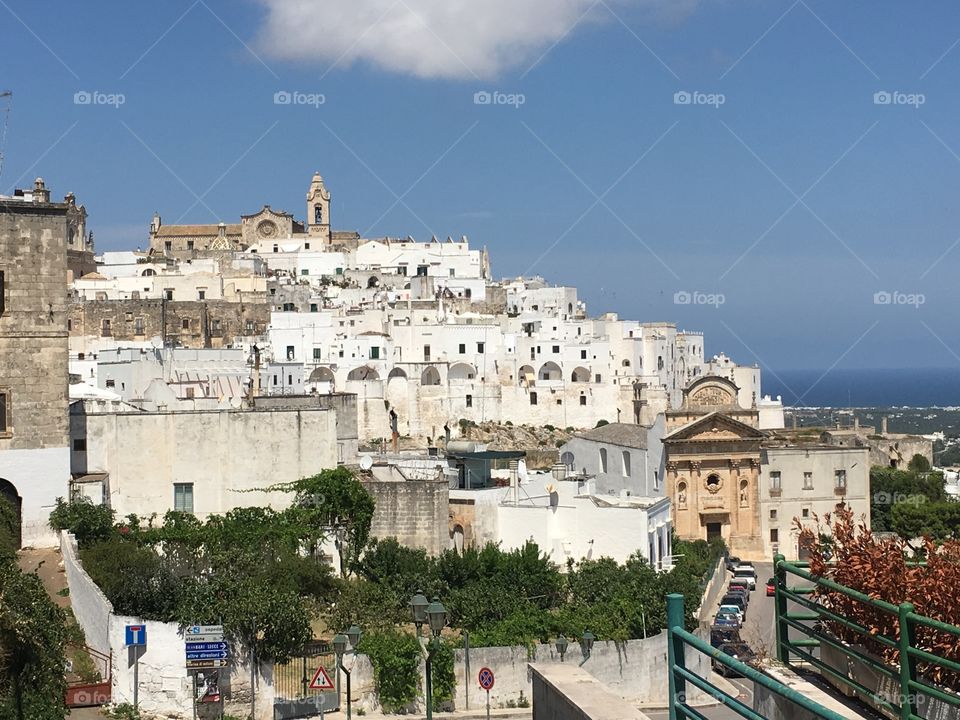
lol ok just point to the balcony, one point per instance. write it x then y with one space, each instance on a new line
776 492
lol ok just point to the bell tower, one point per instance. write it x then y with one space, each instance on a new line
318 209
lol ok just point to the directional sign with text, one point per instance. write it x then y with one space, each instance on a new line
205 664
210 655
205 646
203 630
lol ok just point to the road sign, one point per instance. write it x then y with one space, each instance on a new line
205 664
321 681
205 646
485 678
203 630
136 635
208 655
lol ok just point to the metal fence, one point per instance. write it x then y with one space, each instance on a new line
910 687
293 696
679 640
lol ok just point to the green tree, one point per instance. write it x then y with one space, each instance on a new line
918 464
88 522
32 639
937 520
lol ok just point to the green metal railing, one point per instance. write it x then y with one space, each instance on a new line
678 639
908 685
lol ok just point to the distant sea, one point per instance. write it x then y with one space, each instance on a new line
925 387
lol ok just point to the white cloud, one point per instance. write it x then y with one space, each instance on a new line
431 38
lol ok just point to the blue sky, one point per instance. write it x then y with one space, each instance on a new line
781 199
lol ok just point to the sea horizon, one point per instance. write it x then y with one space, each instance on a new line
864 388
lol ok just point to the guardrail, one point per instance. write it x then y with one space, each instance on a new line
908 684
678 640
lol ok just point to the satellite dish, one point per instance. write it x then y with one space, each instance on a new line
366 462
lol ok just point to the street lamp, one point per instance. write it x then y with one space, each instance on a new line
435 614
562 645
586 644
344 643
419 605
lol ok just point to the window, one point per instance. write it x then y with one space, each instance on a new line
480 347
183 497
533 353
374 353
603 460
291 352
426 353
559 401
317 353
215 325
805 512
556 349
105 328
775 481
533 398
840 479
138 326
111 383
774 535
189 244
597 378
201 293
808 481
453 272
773 513
249 326
306 246
3 293
583 399
626 463
191 393
304 271
80 444
463 348
185 324
583 354
656 479
4 412
167 245
469 400
313 307
168 294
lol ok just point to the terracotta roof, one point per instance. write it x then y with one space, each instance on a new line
189 230
624 434
94 276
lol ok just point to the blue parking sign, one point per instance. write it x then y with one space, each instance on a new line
136 635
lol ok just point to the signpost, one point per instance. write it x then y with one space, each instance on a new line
136 638
205 652
485 678
321 681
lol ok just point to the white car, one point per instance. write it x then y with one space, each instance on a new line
748 574
733 609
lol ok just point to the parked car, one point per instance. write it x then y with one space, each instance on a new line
738 650
733 609
748 574
722 634
742 581
737 600
732 562
771 587
727 619
741 591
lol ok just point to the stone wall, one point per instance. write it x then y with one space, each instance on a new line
195 324
90 605
415 512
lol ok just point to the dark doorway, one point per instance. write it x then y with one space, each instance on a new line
9 494
714 531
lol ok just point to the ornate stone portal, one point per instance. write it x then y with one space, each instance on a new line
712 451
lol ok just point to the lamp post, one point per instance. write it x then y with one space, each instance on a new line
586 645
344 643
433 614
562 645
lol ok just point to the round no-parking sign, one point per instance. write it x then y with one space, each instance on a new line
485 678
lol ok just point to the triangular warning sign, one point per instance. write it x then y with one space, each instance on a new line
321 681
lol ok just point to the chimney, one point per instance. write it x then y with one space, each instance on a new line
883 425
40 192
856 422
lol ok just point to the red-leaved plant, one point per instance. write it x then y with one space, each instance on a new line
846 552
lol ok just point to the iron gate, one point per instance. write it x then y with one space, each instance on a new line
291 682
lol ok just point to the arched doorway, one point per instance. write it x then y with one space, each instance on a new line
9 494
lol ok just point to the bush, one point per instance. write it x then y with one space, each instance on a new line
601 423
87 522
395 658
135 579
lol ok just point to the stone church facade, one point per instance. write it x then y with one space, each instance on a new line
712 449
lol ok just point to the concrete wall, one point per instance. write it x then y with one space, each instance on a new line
415 512
40 476
90 605
228 455
565 692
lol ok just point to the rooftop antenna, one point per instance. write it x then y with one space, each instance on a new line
5 94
